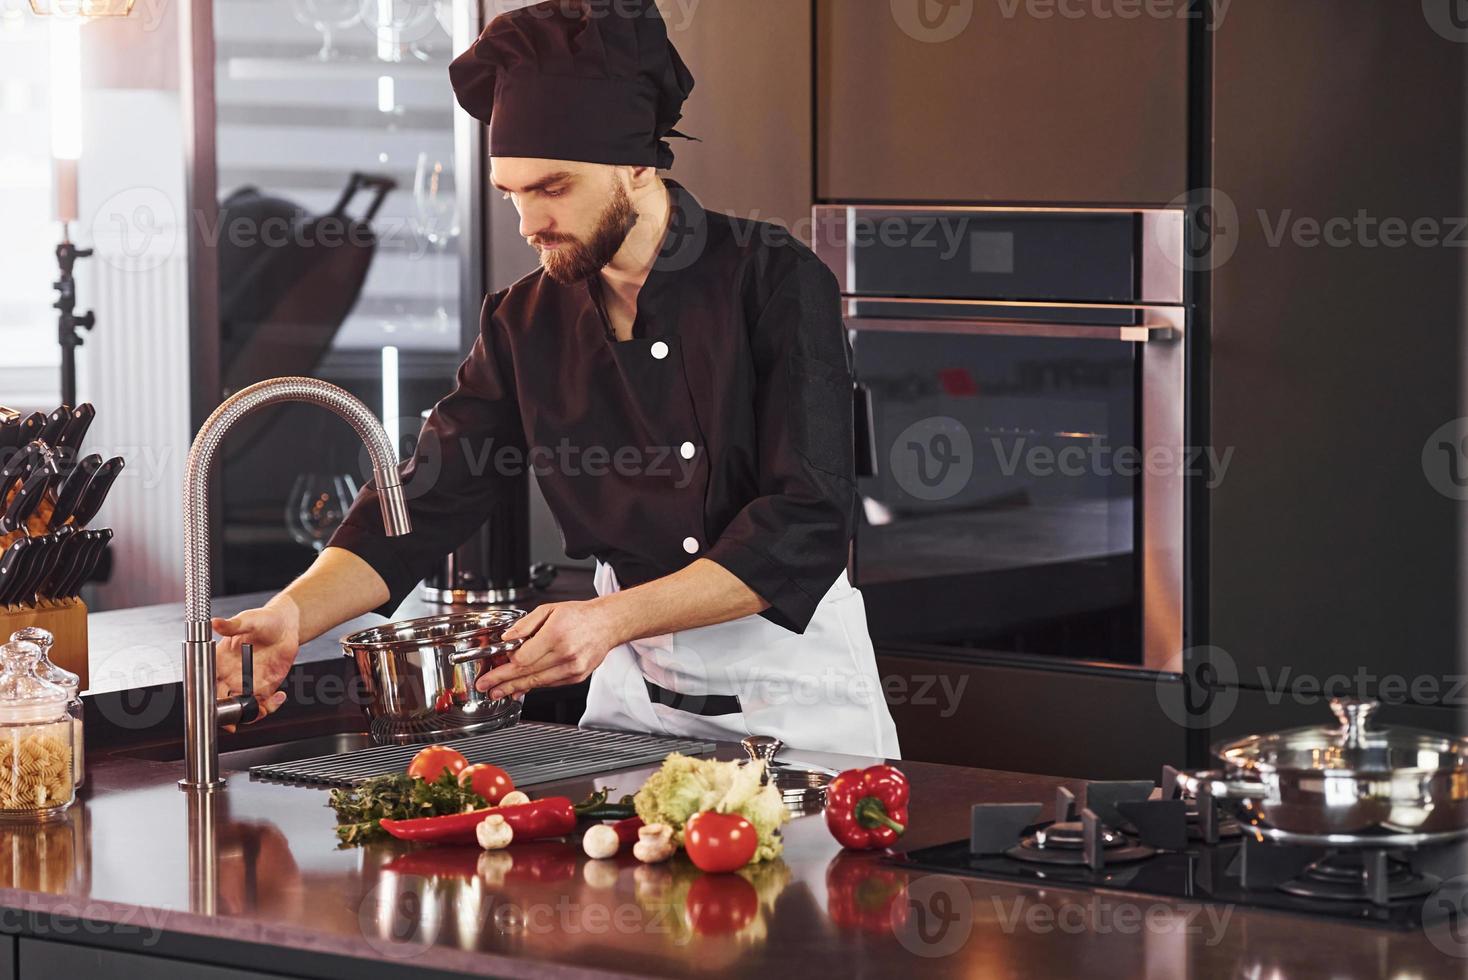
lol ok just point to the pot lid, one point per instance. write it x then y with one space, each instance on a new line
1355 744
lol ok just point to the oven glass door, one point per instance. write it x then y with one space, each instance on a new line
1003 510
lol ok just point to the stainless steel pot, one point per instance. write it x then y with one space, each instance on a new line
419 675
1352 779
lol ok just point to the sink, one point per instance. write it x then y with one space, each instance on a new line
240 760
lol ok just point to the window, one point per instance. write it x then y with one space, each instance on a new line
27 246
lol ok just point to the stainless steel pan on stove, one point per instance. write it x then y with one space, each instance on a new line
1350 780
419 675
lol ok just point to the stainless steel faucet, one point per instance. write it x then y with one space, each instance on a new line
202 713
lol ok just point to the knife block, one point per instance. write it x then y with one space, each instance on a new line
64 619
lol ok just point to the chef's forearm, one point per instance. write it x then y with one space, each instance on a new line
700 594
337 587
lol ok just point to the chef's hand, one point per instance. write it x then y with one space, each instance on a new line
272 631
564 643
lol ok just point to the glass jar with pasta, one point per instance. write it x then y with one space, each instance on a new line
36 778
69 682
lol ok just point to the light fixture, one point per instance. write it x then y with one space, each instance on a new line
390 405
82 8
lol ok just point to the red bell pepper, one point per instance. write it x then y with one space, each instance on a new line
627 829
867 808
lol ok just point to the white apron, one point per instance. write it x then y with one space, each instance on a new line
818 691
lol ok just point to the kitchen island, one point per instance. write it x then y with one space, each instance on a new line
139 881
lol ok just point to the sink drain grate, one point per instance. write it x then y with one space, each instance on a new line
530 752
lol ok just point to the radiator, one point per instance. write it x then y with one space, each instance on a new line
134 368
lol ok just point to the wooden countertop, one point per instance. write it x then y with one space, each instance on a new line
256 881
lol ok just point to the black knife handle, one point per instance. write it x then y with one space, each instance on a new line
69 491
51 556
11 566
54 425
76 428
96 491
65 565
93 557
43 555
30 427
75 564
25 502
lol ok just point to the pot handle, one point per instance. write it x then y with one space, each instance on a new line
483 653
1220 786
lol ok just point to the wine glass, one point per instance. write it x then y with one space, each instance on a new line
327 16
435 218
316 506
401 26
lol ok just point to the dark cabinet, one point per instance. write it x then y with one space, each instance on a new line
981 102
750 108
45 960
1335 548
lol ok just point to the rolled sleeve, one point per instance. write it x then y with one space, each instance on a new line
791 542
451 482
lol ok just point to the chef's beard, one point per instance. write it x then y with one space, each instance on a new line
575 260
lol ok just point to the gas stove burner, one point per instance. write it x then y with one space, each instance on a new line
1227 828
1071 835
1343 876
1063 843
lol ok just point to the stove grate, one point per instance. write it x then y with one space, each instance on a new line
531 752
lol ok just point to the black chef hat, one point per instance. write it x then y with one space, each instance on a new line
591 80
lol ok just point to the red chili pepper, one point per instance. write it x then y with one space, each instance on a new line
627 829
553 816
867 808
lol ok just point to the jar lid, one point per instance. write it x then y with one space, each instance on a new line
24 694
45 666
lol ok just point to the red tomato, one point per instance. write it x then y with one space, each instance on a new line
432 761
720 904
719 841
490 782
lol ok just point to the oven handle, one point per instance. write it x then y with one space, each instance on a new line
864 429
1130 333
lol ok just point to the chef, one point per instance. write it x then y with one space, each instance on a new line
678 381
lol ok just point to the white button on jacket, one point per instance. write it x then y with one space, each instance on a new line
660 350
690 545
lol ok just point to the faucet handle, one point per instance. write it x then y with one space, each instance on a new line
247 669
249 707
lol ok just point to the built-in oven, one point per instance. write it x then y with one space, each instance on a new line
1021 456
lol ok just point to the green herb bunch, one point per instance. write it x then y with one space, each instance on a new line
397 796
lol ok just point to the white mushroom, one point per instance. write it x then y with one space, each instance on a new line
601 841
494 832
654 843
513 798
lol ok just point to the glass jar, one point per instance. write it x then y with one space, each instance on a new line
36 780
49 670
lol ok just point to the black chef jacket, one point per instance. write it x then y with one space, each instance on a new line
722 429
